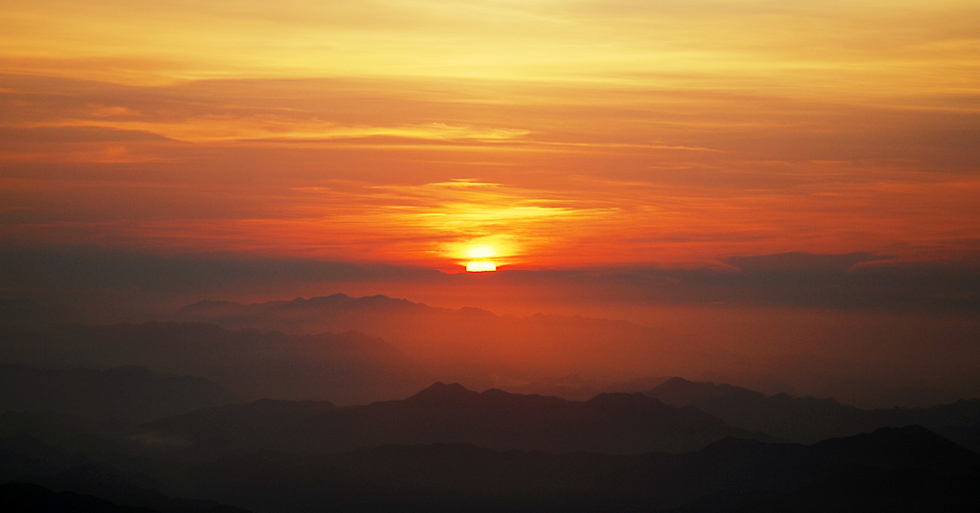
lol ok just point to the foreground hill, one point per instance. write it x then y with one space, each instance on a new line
21 497
24 497
808 420
930 473
270 465
607 423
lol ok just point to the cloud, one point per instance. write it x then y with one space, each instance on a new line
80 134
118 283
800 262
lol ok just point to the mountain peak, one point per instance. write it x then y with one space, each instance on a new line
442 392
679 382
910 446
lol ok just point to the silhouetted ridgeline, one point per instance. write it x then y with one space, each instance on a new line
542 344
447 448
809 420
910 469
608 423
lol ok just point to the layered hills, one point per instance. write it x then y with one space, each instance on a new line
614 423
470 337
808 419
447 448
347 367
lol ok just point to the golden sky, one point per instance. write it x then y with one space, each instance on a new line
558 133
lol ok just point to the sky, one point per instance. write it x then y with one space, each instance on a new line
558 133
816 155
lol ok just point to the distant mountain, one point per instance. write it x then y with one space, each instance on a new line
119 397
808 420
607 423
542 345
349 367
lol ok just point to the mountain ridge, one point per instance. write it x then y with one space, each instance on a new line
614 423
810 420
471 337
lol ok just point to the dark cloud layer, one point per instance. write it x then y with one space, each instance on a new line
141 282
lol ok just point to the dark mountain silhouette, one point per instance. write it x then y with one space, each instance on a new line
538 344
59 431
729 475
26 497
607 423
28 464
24 455
808 420
910 468
959 421
897 448
804 420
349 367
894 469
858 490
112 398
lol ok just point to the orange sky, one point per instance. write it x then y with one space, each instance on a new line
558 133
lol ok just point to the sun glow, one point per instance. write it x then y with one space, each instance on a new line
480 266
481 252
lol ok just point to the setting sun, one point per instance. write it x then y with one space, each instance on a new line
480 266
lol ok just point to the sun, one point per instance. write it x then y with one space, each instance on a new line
480 266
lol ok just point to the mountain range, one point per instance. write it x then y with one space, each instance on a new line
448 448
348 367
328 404
891 469
808 419
470 337
608 423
